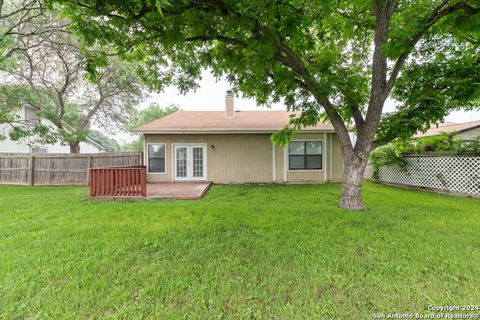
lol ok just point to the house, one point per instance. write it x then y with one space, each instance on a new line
235 147
28 113
466 130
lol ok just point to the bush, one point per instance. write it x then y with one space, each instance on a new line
393 153
442 142
386 156
472 147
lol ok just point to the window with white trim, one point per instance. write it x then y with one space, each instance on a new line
156 158
38 150
30 114
305 155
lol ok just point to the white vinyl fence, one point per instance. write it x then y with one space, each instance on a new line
452 174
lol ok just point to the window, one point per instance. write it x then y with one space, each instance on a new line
305 155
6 131
30 114
156 158
38 150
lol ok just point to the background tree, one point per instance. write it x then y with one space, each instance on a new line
110 144
341 58
23 19
52 66
140 117
29 131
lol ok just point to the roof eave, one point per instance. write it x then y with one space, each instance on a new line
225 131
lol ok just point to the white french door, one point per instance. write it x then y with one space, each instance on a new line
190 162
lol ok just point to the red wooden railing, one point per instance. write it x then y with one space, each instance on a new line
118 182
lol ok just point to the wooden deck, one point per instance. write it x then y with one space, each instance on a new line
177 190
117 183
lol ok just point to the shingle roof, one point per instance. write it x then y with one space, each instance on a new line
215 121
448 127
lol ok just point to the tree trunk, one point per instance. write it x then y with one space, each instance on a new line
351 197
75 147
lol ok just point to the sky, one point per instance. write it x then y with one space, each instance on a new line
211 96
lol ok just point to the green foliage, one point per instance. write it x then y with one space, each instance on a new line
283 137
151 113
472 147
33 133
439 143
445 143
140 117
386 156
135 145
110 144
13 97
430 88
242 252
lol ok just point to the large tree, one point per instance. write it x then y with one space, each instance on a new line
52 66
341 58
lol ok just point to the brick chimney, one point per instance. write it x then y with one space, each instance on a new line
229 105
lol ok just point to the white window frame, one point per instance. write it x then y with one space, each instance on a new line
45 148
25 109
287 156
190 144
147 157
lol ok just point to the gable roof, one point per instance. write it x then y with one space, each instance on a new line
448 127
215 122
96 143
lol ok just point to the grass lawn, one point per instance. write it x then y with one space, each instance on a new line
243 252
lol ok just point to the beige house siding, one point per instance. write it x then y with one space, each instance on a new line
279 164
469 134
337 159
245 158
250 158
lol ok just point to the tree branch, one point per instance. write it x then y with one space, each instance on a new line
217 37
357 117
439 12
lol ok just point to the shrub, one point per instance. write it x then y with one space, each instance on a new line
393 153
386 156
442 142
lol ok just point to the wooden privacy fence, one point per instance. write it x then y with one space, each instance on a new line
59 169
118 182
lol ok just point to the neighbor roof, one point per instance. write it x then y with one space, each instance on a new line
215 121
448 127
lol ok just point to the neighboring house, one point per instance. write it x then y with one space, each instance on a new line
235 147
28 113
466 131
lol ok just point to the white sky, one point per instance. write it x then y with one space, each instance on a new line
211 96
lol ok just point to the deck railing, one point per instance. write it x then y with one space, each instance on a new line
118 182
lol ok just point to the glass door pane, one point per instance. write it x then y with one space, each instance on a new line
181 154
197 159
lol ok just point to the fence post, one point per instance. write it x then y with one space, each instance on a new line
143 181
89 166
91 183
140 162
31 169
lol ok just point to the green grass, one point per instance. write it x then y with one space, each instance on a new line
243 252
